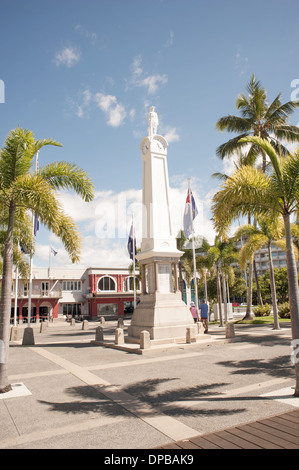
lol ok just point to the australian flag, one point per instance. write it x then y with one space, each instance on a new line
189 213
24 249
132 244
53 251
36 223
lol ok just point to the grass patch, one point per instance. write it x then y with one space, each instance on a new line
261 321
256 321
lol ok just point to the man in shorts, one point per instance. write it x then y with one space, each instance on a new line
204 312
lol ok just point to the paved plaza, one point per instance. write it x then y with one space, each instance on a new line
69 393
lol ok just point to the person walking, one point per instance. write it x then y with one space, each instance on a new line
193 311
204 311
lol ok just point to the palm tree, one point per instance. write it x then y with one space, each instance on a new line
258 118
242 160
219 257
265 233
22 239
21 190
251 191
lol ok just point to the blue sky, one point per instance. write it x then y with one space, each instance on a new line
86 72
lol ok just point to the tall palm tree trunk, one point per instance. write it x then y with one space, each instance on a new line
219 296
258 290
273 290
224 297
5 307
248 315
293 294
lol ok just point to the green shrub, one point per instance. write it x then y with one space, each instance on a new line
284 310
262 310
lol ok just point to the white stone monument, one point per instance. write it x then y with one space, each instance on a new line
161 310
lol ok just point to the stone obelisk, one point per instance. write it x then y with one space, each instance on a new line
161 310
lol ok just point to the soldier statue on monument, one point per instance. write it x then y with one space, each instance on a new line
153 122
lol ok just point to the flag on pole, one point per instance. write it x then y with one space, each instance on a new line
53 251
132 243
189 214
24 249
36 223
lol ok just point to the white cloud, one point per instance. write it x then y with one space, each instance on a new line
132 113
141 79
91 36
170 40
68 56
171 134
105 223
136 67
152 82
82 108
114 111
241 62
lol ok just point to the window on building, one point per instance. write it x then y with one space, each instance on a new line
71 309
107 283
129 284
71 285
107 309
45 288
26 289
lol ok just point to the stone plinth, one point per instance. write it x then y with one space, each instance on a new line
145 342
99 334
14 333
164 316
43 327
28 337
119 336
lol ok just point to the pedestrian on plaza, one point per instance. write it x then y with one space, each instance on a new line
193 311
204 311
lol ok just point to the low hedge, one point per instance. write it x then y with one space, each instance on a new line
262 310
284 310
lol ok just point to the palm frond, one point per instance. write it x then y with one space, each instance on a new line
280 114
233 124
267 147
255 242
231 146
245 231
246 192
64 175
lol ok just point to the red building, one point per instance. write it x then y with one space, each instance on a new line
89 293
110 292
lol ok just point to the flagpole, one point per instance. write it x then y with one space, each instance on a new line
16 296
49 262
193 247
134 260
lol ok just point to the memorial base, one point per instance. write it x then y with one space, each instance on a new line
164 316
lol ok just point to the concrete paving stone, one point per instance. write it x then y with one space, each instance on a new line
86 396
129 434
